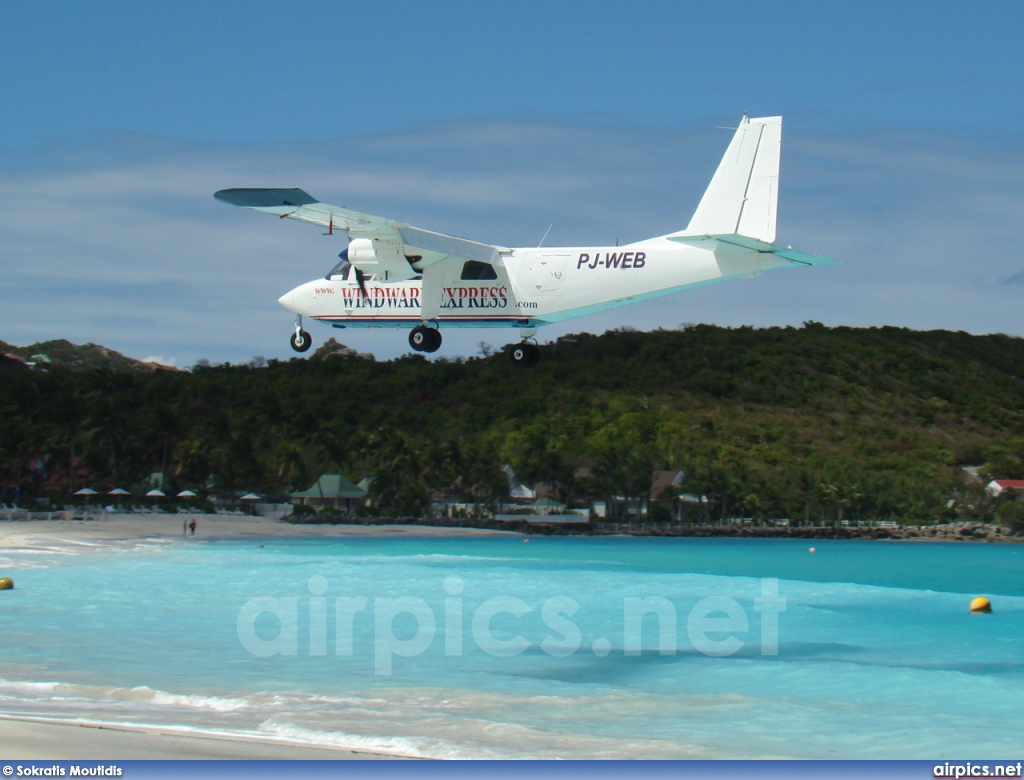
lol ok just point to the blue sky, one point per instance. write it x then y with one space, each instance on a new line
903 154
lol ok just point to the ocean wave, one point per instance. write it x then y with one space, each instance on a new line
60 691
388 746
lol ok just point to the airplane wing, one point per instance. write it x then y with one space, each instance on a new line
298 204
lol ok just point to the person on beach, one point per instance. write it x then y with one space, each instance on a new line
184 527
192 526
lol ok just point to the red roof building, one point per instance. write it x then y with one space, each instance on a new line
997 486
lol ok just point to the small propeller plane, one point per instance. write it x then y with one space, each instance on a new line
393 274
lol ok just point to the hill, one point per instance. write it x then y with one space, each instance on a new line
805 423
76 356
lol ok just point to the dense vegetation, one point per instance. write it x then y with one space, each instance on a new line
811 423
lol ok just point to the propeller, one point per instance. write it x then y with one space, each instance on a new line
361 281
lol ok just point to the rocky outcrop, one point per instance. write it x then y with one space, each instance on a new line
333 348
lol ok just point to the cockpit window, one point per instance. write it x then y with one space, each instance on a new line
341 269
476 271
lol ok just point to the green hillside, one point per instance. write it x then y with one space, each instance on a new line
811 423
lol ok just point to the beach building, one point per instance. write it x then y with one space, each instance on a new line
998 486
331 490
517 491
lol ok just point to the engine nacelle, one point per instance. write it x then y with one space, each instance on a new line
384 259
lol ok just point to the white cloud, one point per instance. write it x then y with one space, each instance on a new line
121 242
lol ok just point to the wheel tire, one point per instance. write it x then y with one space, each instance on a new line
433 340
301 341
419 338
525 355
533 355
424 339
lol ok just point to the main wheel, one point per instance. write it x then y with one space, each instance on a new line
526 355
420 338
433 340
301 341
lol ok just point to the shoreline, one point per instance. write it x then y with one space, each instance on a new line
52 740
19 534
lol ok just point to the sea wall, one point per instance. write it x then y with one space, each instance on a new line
947 532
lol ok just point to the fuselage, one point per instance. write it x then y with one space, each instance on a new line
532 286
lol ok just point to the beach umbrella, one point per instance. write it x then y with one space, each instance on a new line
253 498
118 492
186 494
85 492
155 494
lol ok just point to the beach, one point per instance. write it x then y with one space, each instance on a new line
114 527
34 741
20 739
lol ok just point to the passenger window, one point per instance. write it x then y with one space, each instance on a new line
475 271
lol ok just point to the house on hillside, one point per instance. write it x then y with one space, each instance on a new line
15 362
666 489
661 481
997 486
331 490
517 491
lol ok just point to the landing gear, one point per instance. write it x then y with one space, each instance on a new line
301 341
425 339
525 354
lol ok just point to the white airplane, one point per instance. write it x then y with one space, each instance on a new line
393 274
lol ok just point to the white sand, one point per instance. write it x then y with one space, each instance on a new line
26 741
14 533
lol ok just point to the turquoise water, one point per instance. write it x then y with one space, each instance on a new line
535 649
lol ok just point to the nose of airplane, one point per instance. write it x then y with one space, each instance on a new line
288 300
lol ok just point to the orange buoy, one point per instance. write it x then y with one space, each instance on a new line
526 541
813 550
6 583
981 606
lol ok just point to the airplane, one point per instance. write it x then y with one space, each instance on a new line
395 275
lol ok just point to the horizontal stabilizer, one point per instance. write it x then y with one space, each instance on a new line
714 242
802 257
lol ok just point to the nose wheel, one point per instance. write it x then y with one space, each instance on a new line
525 354
300 340
424 339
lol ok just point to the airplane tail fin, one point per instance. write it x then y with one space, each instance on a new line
743 195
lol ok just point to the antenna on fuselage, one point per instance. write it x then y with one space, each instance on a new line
545 235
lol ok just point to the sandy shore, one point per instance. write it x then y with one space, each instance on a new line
109 527
25 741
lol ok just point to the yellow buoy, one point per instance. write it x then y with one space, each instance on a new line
981 605
6 583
